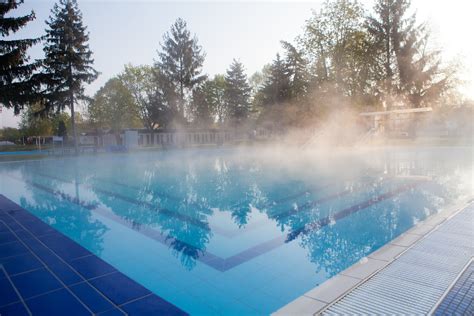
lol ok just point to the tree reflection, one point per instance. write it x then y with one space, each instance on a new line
68 214
182 222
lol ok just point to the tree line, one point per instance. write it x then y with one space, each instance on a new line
346 56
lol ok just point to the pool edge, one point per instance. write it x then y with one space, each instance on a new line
321 297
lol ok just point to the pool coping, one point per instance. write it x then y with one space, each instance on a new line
321 297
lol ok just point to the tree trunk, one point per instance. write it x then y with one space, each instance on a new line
73 122
71 104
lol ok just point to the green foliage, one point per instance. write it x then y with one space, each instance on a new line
34 125
214 91
68 59
113 107
180 63
276 88
140 81
166 102
202 108
410 69
344 58
61 129
297 71
10 134
18 85
209 104
237 93
337 46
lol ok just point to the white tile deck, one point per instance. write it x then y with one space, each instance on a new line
301 306
388 253
330 291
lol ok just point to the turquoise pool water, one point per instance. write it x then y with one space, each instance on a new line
237 231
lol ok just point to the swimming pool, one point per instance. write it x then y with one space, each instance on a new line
237 231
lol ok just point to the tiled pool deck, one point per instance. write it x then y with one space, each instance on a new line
43 272
412 275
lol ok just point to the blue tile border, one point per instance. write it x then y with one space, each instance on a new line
43 272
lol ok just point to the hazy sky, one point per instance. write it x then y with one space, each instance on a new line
129 31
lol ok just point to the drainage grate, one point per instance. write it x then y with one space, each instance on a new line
460 299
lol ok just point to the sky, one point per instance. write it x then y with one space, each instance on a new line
130 31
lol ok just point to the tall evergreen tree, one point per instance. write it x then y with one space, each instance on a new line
413 72
68 59
388 27
180 61
296 66
423 78
17 85
276 88
237 93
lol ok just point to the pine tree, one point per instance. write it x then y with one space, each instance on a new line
296 66
412 71
388 27
180 61
237 93
276 89
17 85
68 59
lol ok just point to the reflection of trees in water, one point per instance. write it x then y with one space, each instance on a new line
239 187
295 217
183 222
61 212
340 244
177 195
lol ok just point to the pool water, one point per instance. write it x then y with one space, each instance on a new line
237 231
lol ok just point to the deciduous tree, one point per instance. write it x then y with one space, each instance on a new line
140 81
113 107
